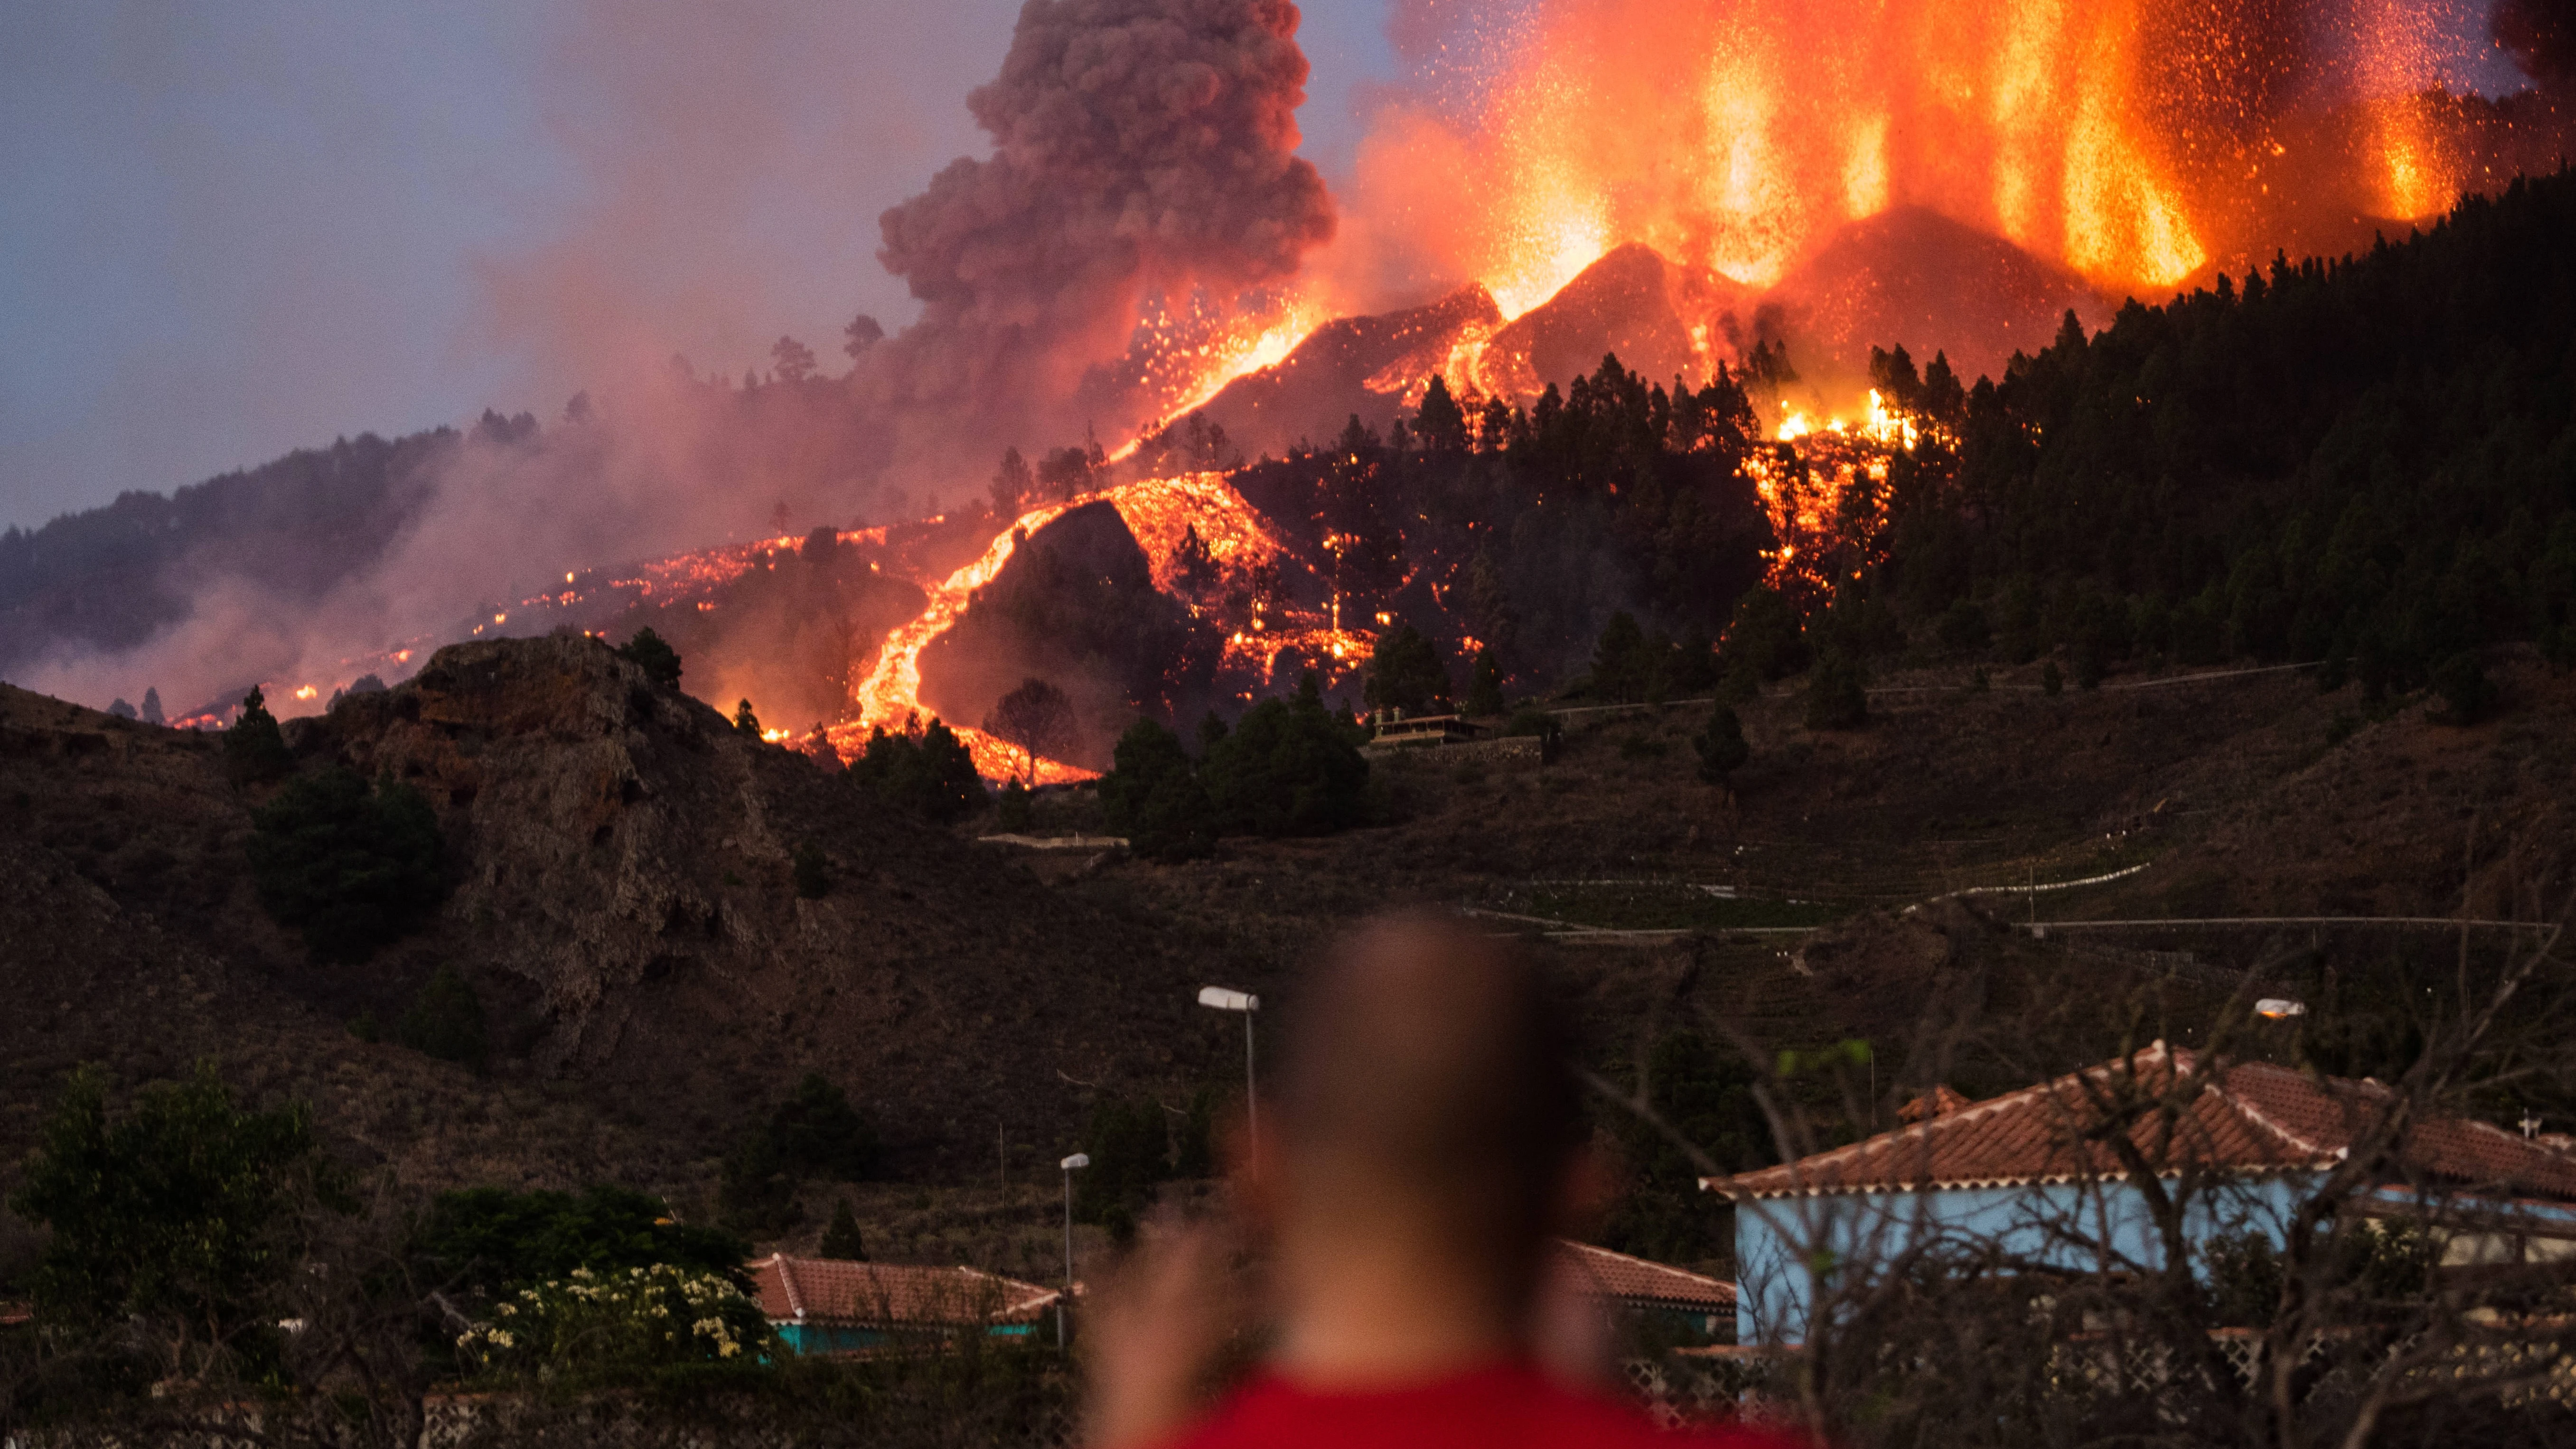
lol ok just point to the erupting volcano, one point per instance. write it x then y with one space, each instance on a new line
1728 195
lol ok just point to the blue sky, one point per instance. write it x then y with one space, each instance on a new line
227 230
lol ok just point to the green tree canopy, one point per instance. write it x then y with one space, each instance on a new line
352 869
1405 673
485 1241
931 775
649 652
445 1020
178 1214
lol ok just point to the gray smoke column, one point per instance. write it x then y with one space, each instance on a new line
1138 146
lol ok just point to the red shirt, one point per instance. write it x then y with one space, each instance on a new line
1505 1406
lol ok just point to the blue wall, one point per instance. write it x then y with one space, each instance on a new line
1787 1248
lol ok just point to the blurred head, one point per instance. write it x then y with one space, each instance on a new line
1427 1119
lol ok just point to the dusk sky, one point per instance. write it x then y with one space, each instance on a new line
230 230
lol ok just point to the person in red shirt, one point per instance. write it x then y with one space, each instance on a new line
1424 1146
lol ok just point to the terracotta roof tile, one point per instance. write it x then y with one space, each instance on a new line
1638 1280
836 1291
2251 1117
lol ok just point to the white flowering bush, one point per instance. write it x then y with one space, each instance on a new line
615 1322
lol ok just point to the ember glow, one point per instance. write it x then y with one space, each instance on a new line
2138 143
1159 512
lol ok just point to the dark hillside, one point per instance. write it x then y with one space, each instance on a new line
624 903
107 578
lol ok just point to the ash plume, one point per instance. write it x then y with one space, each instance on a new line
1139 147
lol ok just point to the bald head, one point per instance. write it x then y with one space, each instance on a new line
1427 1094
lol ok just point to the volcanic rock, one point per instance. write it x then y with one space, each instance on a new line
1915 278
1657 315
1364 366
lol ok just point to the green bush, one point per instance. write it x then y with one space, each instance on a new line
610 1326
485 1242
815 1133
352 869
1011 807
930 774
2467 694
1721 747
812 872
1837 697
659 661
1287 768
177 1217
445 1020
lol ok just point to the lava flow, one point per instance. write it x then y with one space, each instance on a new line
1159 512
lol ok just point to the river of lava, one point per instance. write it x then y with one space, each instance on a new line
1159 512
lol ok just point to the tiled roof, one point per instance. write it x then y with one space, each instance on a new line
835 1291
1636 1280
2251 1117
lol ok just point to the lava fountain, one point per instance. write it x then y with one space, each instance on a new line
2138 143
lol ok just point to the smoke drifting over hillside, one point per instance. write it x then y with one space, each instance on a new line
1140 147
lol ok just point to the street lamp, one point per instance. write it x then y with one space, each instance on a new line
1247 1003
1070 1165
2274 1008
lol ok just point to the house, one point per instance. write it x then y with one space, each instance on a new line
1682 1303
831 1305
2032 1172
1389 728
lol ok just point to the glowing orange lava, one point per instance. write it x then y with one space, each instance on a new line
1740 135
1159 512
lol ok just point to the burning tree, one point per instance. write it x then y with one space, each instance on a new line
1036 719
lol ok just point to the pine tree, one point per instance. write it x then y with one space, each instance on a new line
1485 685
841 1239
152 707
1440 424
255 748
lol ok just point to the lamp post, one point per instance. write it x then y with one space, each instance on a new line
1222 999
1070 1165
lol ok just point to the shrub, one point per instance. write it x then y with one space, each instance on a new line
1963 626
930 774
1721 747
1837 699
1011 806
2467 694
484 1242
2051 682
351 869
445 1020
659 661
813 873
179 1214
611 1325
